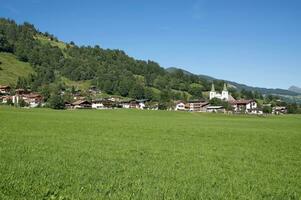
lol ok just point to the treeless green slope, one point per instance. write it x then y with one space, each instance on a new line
11 69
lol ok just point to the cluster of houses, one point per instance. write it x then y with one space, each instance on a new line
28 98
238 106
32 100
109 103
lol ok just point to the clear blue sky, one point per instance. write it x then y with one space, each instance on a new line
256 42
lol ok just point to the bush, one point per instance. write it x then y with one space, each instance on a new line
9 102
56 102
267 109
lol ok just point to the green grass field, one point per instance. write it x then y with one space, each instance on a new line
131 154
11 69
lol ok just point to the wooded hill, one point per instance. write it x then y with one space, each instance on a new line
111 71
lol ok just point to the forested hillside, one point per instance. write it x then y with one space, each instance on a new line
111 71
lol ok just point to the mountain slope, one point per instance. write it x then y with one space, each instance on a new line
242 86
11 69
295 89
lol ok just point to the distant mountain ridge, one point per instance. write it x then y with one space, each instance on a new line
295 89
239 86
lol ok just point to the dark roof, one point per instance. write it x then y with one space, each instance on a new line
79 102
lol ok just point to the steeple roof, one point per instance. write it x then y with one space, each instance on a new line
212 88
225 87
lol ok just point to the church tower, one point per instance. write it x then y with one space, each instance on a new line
212 92
225 93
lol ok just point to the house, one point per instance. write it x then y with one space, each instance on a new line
125 104
246 106
142 103
216 109
197 105
102 104
68 105
21 91
94 90
133 104
82 104
5 99
138 104
180 106
98 105
278 110
256 111
32 99
4 89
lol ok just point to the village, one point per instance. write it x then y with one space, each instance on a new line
26 98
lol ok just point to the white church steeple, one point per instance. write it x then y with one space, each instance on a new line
212 92
223 96
225 93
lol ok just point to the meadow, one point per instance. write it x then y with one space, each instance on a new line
132 154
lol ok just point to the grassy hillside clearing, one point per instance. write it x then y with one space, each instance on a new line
11 69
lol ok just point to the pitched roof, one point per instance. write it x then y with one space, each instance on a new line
215 107
212 88
4 87
231 98
241 102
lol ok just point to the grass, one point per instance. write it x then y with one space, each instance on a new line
45 40
11 69
82 85
130 154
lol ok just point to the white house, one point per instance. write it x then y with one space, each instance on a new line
98 105
216 109
223 96
142 103
180 105
277 110
248 106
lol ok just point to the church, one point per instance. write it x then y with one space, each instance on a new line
223 96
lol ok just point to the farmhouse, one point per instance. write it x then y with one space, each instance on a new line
216 109
4 89
21 91
32 99
180 106
81 104
277 110
5 99
197 105
246 106
142 103
102 104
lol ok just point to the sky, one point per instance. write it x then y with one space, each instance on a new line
255 42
